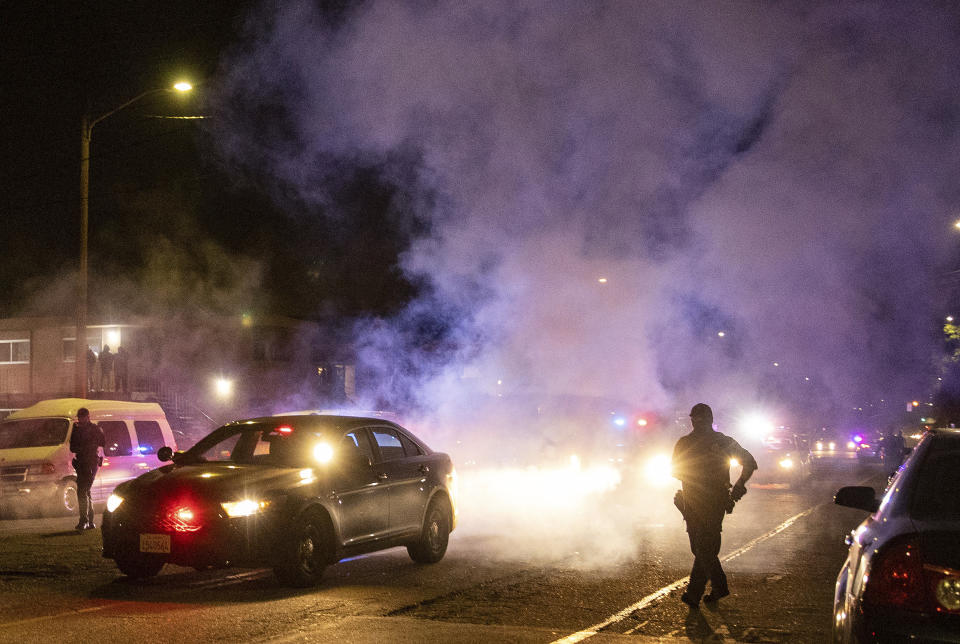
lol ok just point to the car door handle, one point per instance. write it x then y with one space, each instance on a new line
423 469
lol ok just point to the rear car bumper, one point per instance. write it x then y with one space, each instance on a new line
902 626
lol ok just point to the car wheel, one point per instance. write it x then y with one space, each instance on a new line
65 501
138 566
305 554
434 535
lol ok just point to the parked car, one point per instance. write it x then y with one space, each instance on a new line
294 492
36 474
901 579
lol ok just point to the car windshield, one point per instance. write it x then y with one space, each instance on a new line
257 444
937 493
33 432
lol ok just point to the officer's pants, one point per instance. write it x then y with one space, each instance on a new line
704 533
85 477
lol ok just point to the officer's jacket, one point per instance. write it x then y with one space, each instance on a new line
701 460
84 441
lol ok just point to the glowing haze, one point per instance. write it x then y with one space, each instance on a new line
648 202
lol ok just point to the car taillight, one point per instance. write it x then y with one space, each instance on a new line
896 577
899 578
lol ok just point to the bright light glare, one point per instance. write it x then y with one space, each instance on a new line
184 514
786 463
832 445
113 502
113 338
820 445
243 508
619 421
659 470
323 453
756 425
642 422
734 462
183 86
223 387
574 462
850 445
857 438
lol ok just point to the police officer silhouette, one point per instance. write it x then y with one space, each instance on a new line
86 441
701 460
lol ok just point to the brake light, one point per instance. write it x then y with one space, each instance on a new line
899 578
896 577
285 429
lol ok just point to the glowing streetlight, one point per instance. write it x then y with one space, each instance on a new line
86 132
949 318
956 224
721 334
602 280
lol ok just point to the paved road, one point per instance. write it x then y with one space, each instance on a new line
604 570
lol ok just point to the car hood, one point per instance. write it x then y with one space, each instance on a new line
20 455
210 481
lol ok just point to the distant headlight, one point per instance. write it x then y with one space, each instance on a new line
786 463
659 470
323 453
113 502
244 508
832 446
820 446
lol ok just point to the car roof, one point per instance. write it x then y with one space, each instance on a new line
326 420
67 408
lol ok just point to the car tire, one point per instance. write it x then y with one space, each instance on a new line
435 534
64 502
138 566
306 552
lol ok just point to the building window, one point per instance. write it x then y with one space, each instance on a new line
69 349
14 351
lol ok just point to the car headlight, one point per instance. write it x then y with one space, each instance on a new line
244 508
786 463
323 453
113 502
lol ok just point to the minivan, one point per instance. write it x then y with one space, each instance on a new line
36 473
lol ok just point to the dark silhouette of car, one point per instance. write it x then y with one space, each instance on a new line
901 579
295 493
784 458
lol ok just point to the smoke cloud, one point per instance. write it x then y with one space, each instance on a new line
765 189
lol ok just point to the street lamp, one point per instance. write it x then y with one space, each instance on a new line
86 131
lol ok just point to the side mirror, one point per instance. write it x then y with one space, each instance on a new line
860 497
165 453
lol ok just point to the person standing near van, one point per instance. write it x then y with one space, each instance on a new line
106 369
87 442
121 367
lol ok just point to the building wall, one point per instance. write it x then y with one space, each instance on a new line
15 378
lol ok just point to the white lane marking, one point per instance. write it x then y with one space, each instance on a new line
579 636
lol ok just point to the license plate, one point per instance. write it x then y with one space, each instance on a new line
157 543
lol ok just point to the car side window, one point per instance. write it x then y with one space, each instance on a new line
389 442
409 447
358 439
116 438
149 436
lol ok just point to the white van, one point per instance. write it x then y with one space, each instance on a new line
36 474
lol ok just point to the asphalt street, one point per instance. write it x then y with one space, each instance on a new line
604 581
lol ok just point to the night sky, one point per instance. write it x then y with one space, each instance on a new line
163 210
767 189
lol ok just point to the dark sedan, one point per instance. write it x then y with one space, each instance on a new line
901 580
295 493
